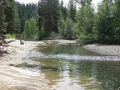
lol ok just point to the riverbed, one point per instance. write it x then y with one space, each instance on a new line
59 65
69 66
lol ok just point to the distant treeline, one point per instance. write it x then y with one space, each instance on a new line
52 19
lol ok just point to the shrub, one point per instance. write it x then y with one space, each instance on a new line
10 36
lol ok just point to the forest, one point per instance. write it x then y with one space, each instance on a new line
52 19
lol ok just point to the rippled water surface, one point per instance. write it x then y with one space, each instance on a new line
71 67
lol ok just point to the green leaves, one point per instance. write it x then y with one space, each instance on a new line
105 23
25 12
30 30
84 25
48 16
66 24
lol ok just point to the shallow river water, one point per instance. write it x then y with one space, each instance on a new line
71 67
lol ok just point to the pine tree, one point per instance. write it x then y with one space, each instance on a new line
116 22
48 16
72 10
61 25
25 12
3 24
104 24
17 25
10 16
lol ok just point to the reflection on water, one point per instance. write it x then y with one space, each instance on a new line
71 75
82 75
68 74
65 49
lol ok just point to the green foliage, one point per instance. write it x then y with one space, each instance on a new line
116 22
61 26
102 26
25 12
17 25
9 21
105 23
53 35
26 33
10 16
30 30
66 24
69 29
66 28
3 24
63 10
10 36
48 16
84 24
51 19
72 10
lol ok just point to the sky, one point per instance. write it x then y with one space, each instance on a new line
65 1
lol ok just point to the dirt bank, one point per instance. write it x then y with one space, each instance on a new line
12 78
104 49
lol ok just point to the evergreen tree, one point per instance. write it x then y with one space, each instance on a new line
85 23
17 29
116 22
61 26
63 9
69 29
48 16
25 12
104 22
3 24
72 10
17 25
10 16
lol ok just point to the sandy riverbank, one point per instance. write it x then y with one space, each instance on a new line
12 78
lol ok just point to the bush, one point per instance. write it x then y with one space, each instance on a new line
10 36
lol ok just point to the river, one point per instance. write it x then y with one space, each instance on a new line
71 67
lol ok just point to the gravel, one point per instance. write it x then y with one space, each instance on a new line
104 49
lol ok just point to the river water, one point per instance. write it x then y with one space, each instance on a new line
71 67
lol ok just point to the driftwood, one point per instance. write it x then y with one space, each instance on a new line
3 50
7 42
21 42
2 41
3 46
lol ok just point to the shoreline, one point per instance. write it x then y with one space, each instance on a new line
108 50
13 78
111 50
